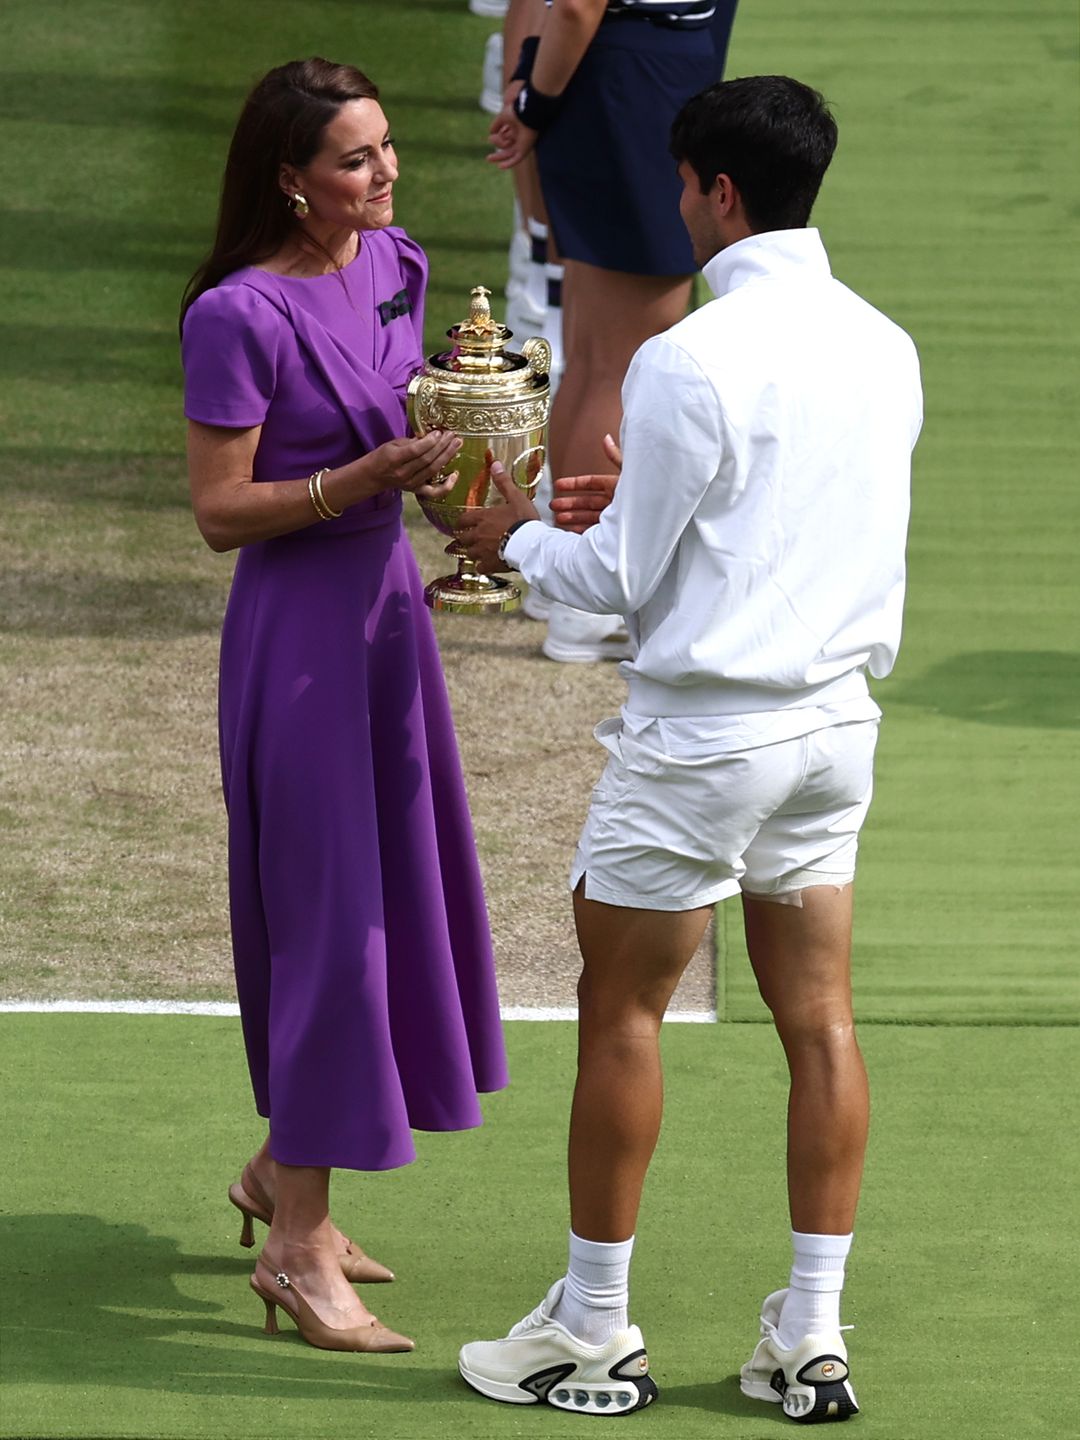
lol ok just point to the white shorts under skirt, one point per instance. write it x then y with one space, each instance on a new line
668 833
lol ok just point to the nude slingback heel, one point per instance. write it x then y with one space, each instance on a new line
275 1288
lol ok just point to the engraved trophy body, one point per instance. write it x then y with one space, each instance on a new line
497 401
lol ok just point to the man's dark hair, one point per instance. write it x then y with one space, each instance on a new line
771 134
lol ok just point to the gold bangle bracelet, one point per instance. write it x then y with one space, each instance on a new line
319 491
319 506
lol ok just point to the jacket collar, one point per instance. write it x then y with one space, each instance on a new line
764 256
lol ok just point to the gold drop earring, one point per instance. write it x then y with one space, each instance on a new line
299 206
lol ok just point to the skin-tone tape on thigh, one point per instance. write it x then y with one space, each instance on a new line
792 897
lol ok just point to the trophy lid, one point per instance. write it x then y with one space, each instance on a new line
478 342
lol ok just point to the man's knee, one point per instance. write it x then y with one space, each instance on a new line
607 1004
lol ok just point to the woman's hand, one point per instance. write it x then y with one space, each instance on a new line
413 464
510 139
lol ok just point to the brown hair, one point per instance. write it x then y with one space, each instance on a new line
282 123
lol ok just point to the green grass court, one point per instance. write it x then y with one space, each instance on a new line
128 1313
953 205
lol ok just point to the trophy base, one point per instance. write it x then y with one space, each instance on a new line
473 595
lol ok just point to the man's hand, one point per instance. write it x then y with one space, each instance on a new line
481 530
580 500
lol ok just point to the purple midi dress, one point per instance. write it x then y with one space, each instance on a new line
360 936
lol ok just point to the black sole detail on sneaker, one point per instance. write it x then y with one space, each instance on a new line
831 1402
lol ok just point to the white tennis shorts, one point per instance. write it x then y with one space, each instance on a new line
668 832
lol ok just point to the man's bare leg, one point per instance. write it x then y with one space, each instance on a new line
801 956
802 960
632 961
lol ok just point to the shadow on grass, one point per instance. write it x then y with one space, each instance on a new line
90 1302
87 605
99 353
82 99
141 479
1036 688
53 240
722 1397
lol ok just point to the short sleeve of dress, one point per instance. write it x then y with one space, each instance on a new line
414 274
230 348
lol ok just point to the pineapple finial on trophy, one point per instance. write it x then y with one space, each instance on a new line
480 311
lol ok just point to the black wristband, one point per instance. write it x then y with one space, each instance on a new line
523 69
535 109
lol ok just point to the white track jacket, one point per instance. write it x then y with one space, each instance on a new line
756 539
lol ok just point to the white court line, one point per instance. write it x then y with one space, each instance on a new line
224 1007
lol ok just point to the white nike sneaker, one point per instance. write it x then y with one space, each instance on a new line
575 637
491 9
541 1363
810 1380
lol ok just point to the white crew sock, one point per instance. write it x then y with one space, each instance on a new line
812 1306
596 1291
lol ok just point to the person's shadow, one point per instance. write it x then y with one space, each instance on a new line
723 1397
93 1303
1036 688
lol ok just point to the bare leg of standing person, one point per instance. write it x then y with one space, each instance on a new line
607 315
301 1243
298 1269
801 954
802 961
254 1195
632 961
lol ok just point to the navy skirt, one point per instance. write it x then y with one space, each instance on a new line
606 172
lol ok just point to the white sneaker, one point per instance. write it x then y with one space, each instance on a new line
521 319
517 268
540 1362
810 1380
575 637
493 9
491 87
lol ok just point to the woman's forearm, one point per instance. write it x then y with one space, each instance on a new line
523 18
570 27
232 509
240 511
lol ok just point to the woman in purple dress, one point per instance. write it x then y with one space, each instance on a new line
360 938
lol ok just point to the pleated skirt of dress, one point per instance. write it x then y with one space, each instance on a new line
363 957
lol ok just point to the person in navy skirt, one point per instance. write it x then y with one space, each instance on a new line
595 95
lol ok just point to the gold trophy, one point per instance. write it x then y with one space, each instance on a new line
497 401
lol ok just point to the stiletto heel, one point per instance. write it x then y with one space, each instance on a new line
254 1204
272 1288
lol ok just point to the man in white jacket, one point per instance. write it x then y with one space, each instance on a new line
755 544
